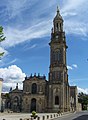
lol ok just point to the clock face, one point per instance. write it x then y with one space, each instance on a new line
57 37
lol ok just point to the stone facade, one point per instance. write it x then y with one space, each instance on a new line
73 98
1 80
34 94
54 95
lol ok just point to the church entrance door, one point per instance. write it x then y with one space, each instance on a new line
33 104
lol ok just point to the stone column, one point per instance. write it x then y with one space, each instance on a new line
0 91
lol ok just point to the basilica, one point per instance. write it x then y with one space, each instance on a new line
54 94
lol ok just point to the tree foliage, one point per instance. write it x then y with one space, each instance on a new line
83 99
2 38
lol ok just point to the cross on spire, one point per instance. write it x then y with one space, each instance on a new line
58 12
57 8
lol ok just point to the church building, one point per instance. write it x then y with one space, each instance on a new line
50 95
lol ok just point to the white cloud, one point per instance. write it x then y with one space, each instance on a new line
3 58
69 68
70 10
73 5
75 66
75 16
11 76
85 91
15 7
69 14
76 27
5 61
27 47
11 62
15 36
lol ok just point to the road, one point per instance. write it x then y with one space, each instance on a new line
75 116
70 116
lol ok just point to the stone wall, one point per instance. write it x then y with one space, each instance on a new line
0 91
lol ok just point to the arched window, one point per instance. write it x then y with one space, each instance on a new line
56 100
34 88
16 99
57 56
16 104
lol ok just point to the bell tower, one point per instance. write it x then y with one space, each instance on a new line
58 77
58 51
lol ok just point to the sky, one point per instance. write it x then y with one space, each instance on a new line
27 26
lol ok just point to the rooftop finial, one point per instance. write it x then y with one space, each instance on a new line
31 75
35 75
17 86
58 11
57 8
10 89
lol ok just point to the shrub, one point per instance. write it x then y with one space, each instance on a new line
34 114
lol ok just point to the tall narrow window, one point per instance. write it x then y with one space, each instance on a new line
34 88
56 100
52 57
53 75
58 55
59 75
60 26
57 25
55 56
27 88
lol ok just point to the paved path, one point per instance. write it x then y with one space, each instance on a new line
17 116
13 116
71 116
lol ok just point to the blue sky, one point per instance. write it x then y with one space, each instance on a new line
27 26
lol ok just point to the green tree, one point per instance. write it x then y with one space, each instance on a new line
83 99
2 38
